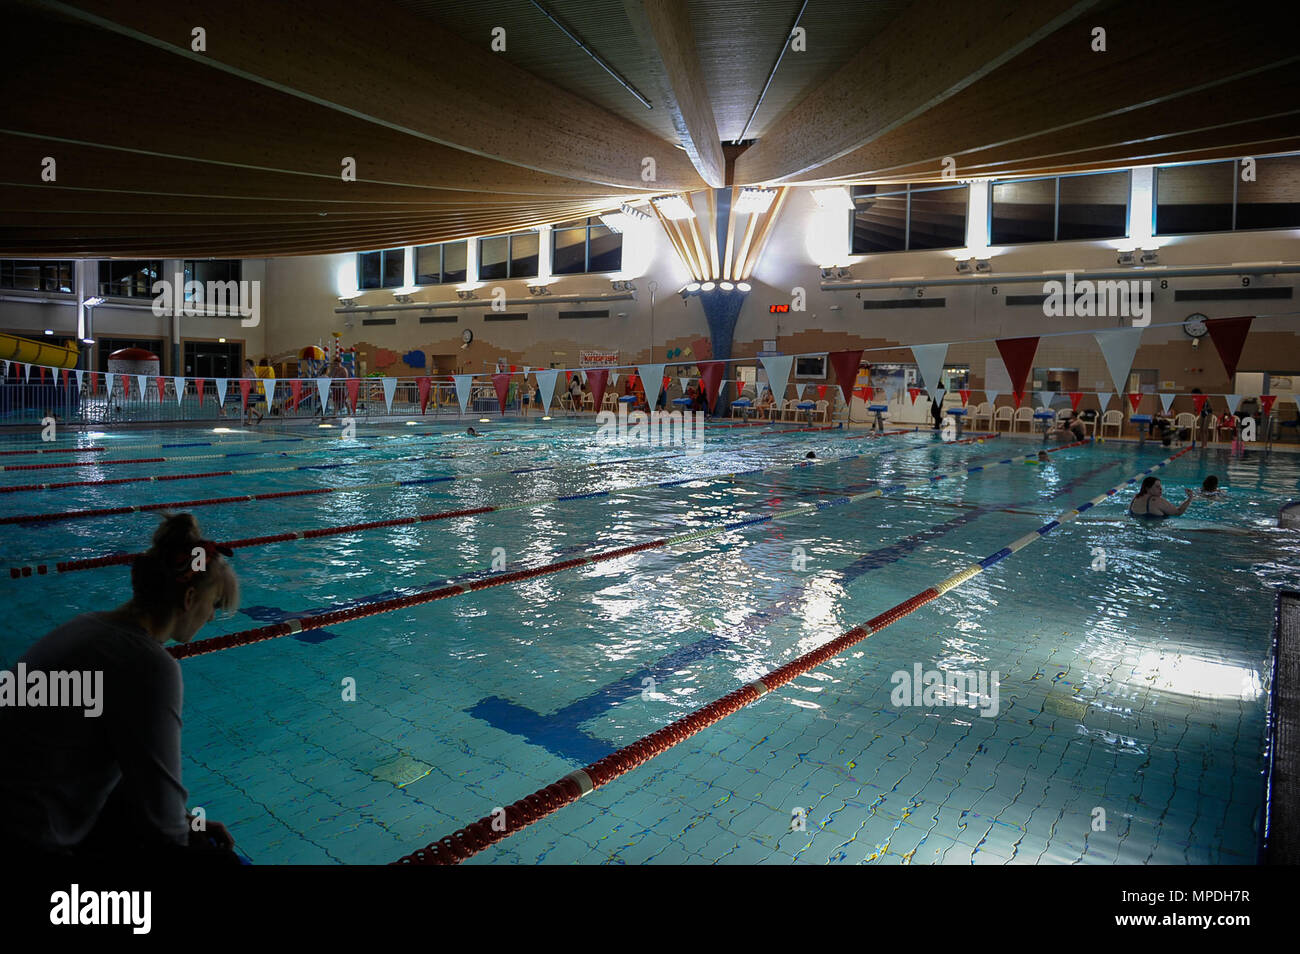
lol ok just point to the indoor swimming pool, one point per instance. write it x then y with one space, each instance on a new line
1131 658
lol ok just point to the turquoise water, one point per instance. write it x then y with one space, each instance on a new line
1137 689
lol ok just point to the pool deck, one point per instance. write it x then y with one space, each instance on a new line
1283 841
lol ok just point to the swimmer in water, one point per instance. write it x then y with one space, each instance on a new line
1211 488
471 433
1043 458
810 456
1150 501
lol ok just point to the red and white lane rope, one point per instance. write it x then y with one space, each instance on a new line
473 838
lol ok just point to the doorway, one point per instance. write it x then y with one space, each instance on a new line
213 359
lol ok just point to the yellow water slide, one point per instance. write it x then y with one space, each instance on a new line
38 352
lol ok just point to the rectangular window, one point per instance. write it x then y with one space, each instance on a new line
221 271
23 275
1023 211
129 279
382 269
893 218
1272 200
440 264
1192 199
585 245
1093 206
810 367
508 256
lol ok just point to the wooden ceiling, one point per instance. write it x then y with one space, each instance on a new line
237 150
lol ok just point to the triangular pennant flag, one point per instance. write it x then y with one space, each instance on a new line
845 364
354 388
778 367
502 383
528 369
613 379
464 384
711 382
1075 398
598 379
821 392
126 385
295 393
965 396
1103 398
1017 396
1266 403
162 389
1165 401
546 379
65 379
42 367
929 361
221 391
1198 402
1229 336
1118 347
323 390
913 392
179 385
652 378
992 396
390 388
1233 400
1045 398
1018 356
268 390
245 386
685 383
80 375
1135 400
198 386
143 381
27 372
426 383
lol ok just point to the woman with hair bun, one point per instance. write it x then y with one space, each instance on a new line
107 785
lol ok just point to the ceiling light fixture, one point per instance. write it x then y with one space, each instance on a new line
744 286
92 302
842 273
1149 257
726 286
673 207
1126 258
754 201
707 286
837 198
641 215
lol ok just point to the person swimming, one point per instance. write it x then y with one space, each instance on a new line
472 433
810 456
1150 501
1210 488
1043 458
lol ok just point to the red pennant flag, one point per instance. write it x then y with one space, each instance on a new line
502 383
913 392
821 392
1229 335
1075 398
1018 396
1265 401
126 385
162 387
568 376
65 380
1018 356
42 369
598 379
425 383
846 364
1135 400
965 396
245 385
295 393
198 386
354 385
1198 402
710 379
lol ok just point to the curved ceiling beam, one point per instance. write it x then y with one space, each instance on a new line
963 43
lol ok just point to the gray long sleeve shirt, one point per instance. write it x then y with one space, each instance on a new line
58 767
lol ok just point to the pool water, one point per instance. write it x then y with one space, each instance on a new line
1132 657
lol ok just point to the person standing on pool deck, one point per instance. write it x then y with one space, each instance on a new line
106 785
1150 501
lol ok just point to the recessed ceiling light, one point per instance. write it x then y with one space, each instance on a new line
673 207
726 286
745 286
707 286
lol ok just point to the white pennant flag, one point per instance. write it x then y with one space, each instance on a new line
27 368
777 367
721 384
268 389
221 391
613 378
390 387
79 373
685 383
546 386
929 361
1166 400
179 384
528 369
323 389
108 382
464 383
143 381
1045 399
1118 347
652 379
992 396
1233 400
1103 398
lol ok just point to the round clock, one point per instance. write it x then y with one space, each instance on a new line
1194 326
467 336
